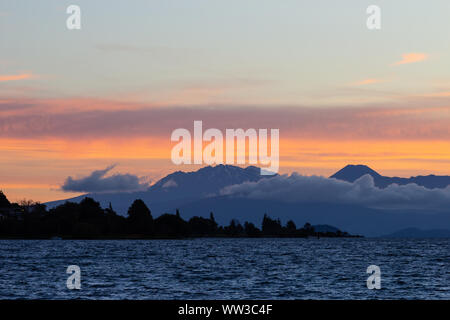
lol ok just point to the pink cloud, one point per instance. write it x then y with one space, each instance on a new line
408 58
438 94
368 81
411 120
15 77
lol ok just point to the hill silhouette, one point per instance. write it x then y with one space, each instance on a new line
419 233
88 220
352 172
352 218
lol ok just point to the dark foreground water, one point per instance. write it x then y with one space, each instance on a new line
225 269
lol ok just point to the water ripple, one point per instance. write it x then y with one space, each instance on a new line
226 269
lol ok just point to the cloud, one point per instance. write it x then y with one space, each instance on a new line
170 183
97 182
298 188
15 77
368 81
411 58
420 117
444 94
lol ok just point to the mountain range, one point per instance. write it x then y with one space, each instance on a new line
176 189
419 233
199 193
351 173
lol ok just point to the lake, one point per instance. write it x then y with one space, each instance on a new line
226 268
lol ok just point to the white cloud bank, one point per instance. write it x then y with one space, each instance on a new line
298 188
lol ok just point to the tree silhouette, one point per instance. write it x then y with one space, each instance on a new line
251 230
4 202
140 218
291 228
171 226
202 227
88 220
234 229
308 227
271 227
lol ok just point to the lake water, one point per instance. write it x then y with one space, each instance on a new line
225 269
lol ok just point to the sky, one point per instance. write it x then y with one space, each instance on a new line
108 96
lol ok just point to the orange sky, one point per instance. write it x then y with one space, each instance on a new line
43 141
36 169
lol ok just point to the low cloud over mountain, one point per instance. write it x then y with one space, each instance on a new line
97 182
298 188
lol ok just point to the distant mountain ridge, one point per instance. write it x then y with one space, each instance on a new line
351 218
419 233
350 173
198 193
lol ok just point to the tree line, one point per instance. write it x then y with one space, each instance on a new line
88 220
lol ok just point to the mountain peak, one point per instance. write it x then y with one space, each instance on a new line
352 172
216 173
179 187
